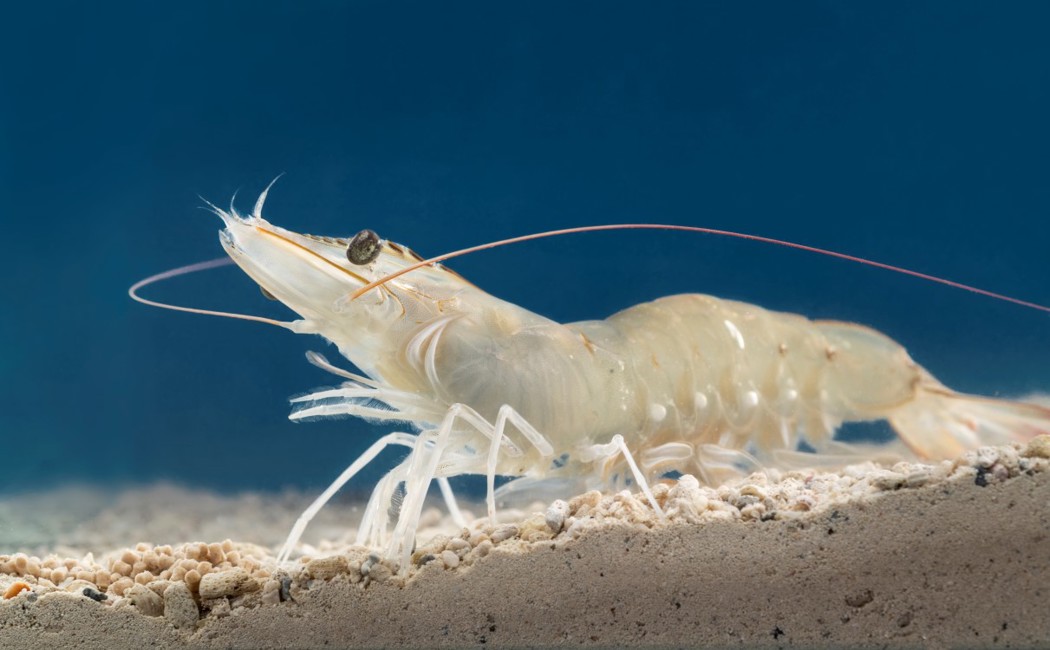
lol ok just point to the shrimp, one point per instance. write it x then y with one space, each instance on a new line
691 383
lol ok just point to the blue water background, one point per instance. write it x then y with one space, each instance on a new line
912 133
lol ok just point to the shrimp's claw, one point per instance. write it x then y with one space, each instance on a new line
941 423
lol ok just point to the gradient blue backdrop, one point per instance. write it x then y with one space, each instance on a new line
912 133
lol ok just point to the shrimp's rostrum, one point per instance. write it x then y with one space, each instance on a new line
690 383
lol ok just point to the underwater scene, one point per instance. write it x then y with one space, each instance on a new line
152 472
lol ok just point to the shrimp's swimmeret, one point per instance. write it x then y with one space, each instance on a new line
691 383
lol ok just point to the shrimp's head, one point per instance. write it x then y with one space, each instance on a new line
317 277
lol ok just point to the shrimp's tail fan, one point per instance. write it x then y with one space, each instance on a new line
941 423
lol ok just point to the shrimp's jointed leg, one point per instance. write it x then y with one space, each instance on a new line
381 506
610 450
372 530
717 463
450 502
396 438
507 412
422 465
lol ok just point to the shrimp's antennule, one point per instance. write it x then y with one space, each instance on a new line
257 210
194 268
708 231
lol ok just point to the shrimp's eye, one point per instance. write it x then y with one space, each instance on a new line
363 248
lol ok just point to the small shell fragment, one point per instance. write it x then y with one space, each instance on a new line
179 607
271 592
233 582
326 568
1038 447
504 532
15 589
145 600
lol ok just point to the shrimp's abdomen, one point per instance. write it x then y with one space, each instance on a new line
735 375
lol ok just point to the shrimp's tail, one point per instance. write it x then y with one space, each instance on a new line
941 423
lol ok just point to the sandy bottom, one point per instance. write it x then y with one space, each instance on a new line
947 555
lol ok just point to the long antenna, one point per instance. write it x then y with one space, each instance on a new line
709 231
193 268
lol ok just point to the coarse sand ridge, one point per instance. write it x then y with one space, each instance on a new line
953 554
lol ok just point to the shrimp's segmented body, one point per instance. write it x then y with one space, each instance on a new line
690 383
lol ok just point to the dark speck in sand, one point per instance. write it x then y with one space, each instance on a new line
94 595
285 593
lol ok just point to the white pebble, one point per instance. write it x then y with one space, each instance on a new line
458 545
556 514
484 548
450 559
986 457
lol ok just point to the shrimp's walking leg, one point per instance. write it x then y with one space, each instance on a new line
717 464
374 522
422 465
507 413
611 449
450 502
373 526
835 453
427 455
396 438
